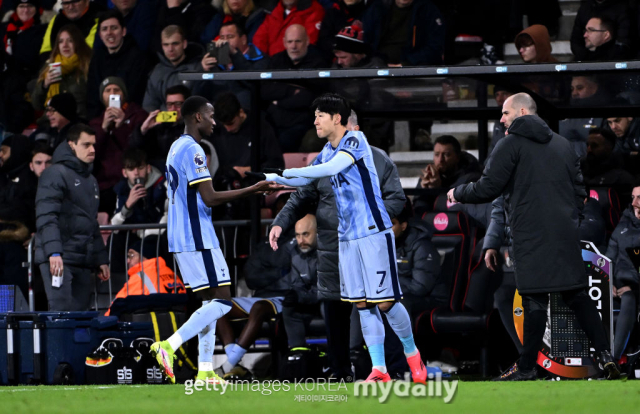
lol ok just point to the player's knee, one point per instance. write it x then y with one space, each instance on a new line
260 310
361 305
385 306
222 292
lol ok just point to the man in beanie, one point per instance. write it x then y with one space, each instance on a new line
116 55
148 273
113 128
61 113
351 51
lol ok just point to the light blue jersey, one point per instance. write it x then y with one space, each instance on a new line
189 225
361 211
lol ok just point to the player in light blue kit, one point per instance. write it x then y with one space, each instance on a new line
193 240
368 270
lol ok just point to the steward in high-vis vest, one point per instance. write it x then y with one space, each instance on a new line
143 272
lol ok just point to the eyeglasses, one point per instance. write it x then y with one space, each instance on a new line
592 30
69 2
50 110
177 104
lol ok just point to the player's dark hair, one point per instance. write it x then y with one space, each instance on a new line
111 14
134 158
75 131
41 148
227 107
449 140
332 104
193 105
406 213
178 90
240 30
608 135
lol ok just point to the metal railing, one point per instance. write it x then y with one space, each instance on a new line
129 228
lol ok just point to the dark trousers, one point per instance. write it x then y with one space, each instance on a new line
296 321
625 322
12 254
535 321
75 292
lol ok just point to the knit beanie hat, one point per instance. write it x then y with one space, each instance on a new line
65 104
351 40
114 80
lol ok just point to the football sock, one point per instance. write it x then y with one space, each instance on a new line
234 354
206 342
373 333
400 322
200 319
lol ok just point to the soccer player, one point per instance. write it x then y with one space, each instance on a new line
193 240
368 272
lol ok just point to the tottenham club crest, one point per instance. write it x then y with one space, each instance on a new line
198 160
352 142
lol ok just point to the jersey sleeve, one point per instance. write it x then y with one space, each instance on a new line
194 163
354 146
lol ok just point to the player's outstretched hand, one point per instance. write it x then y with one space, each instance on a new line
266 187
277 171
257 175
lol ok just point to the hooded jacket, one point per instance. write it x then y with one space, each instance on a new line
18 184
66 209
419 263
165 75
149 210
626 235
539 176
157 141
304 275
319 197
540 36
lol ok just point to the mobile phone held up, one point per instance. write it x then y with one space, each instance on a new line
114 101
167 116
222 53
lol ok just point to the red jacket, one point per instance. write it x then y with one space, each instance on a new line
270 34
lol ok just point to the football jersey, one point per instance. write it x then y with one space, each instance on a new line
361 211
189 225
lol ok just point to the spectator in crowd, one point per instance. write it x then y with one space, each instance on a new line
72 56
142 192
139 19
627 131
19 63
418 265
117 55
155 138
243 12
619 12
148 273
451 167
40 160
113 130
319 196
61 113
500 94
604 168
534 45
17 206
83 14
350 50
289 103
177 56
626 281
585 90
244 55
306 13
190 15
600 41
232 140
296 300
68 240
343 13
406 32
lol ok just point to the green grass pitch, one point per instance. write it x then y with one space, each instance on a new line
471 397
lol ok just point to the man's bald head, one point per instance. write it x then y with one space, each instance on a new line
307 233
296 42
516 106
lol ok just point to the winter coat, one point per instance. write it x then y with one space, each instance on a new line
191 15
304 276
111 145
24 58
266 272
66 209
139 22
576 130
419 263
426 33
625 236
165 75
251 24
335 19
539 175
592 226
540 37
254 59
87 23
151 209
319 197
617 10
608 173
18 185
268 37
157 141
128 63
75 85
612 50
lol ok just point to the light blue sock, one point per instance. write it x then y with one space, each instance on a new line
202 318
373 333
400 322
234 354
206 342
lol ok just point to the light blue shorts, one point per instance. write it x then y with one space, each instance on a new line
246 303
368 269
202 269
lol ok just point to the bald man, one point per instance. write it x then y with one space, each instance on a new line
538 173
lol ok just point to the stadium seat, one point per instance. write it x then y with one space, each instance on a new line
610 203
298 159
103 219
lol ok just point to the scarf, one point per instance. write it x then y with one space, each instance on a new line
15 27
68 66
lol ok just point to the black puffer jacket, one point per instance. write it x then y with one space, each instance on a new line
304 276
419 263
626 235
18 184
539 175
66 209
318 196
266 272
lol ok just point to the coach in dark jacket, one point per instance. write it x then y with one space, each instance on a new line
538 173
266 272
68 236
